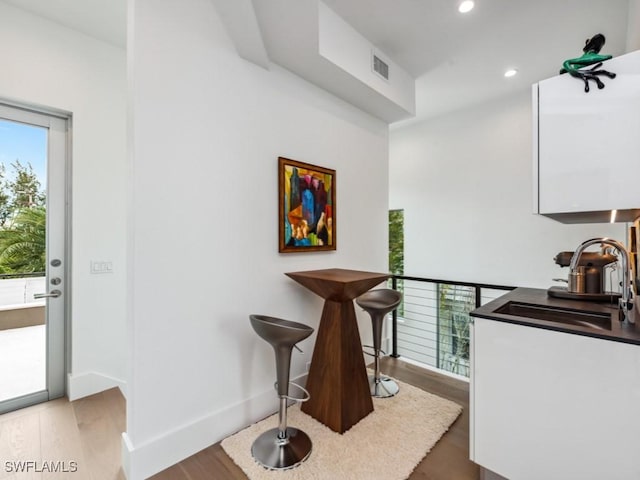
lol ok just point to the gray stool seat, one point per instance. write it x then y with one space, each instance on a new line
283 447
378 303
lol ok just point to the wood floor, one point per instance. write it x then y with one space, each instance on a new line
64 440
88 432
449 459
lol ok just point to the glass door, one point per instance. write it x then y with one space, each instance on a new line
33 297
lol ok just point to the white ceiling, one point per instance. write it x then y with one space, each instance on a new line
457 59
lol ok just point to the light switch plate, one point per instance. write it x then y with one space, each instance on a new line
101 266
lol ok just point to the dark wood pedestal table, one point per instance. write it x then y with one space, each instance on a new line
337 380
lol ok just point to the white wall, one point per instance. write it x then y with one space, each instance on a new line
49 65
465 182
207 128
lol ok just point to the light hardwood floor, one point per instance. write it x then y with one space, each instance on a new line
81 439
87 431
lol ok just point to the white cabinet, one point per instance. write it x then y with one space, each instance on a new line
554 406
587 145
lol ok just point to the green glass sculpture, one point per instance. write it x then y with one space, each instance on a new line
576 66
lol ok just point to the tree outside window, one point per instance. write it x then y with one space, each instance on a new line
22 221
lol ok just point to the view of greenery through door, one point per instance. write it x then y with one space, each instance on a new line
22 198
22 220
396 248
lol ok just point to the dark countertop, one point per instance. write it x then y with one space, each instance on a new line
619 332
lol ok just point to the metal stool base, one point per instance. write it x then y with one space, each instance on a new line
385 387
276 454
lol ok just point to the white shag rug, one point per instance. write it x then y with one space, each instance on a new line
387 444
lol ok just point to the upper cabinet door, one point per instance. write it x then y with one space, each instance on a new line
588 144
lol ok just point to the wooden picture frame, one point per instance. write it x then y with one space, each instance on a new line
307 207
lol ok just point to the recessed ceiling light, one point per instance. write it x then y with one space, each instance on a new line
510 73
465 6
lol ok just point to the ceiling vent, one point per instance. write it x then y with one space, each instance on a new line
380 67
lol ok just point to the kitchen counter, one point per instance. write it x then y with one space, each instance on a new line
549 400
619 331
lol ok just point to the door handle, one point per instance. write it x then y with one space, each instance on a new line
53 294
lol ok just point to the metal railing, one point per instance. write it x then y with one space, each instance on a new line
431 325
19 289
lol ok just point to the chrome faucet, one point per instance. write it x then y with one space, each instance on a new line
625 301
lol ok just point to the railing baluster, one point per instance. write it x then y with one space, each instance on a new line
394 324
437 325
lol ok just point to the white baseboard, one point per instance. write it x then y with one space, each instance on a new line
386 345
85 384
486 474
147 459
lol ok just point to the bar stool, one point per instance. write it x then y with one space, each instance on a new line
283 447
378 303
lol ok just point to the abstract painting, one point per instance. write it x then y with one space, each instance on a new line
307 211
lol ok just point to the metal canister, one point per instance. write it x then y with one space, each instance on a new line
577 281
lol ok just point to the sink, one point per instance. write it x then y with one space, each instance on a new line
563 316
